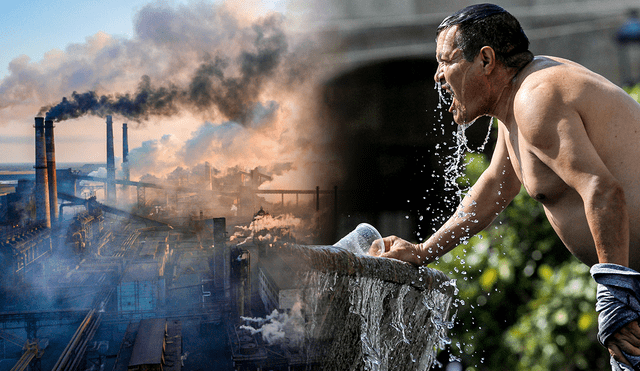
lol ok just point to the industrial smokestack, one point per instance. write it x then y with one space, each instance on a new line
111 167
51 170
124 190
42 188
125 151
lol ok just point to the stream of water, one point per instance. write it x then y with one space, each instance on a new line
454 169
368 323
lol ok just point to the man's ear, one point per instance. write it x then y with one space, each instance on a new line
488 58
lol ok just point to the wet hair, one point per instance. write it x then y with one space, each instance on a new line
490 25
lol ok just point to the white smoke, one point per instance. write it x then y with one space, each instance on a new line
268 229
155 154
279 326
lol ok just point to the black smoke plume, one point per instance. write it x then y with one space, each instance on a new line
210 90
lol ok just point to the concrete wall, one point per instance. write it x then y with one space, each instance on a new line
362 32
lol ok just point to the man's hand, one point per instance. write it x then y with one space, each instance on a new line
626 339
397 248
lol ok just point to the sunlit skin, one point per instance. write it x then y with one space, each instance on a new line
569 136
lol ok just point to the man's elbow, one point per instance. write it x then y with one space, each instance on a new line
617 196
608 194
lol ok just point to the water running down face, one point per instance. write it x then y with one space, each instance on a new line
452 75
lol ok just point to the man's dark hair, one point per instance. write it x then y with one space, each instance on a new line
490 25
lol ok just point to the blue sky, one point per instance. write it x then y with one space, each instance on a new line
34 27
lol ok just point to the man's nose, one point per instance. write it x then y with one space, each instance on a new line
439 75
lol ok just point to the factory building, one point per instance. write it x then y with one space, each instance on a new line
278 289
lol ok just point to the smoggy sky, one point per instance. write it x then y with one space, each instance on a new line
226 82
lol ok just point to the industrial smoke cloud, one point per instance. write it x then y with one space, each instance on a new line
214 86
203 58
241 83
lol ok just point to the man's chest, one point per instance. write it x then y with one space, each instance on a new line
540 181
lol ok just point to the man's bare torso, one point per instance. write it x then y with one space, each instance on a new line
612 122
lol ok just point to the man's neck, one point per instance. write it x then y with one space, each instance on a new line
506 82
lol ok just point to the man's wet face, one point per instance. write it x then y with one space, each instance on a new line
452 71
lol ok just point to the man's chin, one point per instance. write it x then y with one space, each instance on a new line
459 118
463 122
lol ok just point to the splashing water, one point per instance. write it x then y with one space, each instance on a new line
454 166
444 98
363 319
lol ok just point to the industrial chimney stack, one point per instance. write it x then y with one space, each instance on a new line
124 194
51 170
125 152
111 166
42 187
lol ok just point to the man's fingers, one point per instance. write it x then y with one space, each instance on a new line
377 248
396 248
627 338
631 333
388 242
628 347
617 354
403 254
391 254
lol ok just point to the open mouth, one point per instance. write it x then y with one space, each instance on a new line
449 97
446 96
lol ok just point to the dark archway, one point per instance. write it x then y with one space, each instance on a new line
393 143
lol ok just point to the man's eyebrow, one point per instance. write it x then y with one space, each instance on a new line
449 57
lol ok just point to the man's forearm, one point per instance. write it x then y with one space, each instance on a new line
468 220
608 219
495 189
450 235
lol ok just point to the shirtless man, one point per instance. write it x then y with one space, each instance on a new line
570 136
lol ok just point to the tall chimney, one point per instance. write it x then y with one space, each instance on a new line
125 151
42 188
51 170
111 166
124 190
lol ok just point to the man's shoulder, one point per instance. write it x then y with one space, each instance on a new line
546 72
544 93
552 80
539 89
542 72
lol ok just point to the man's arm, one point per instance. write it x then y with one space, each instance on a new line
493 191
559 139
554 132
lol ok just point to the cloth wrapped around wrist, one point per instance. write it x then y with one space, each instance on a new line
618 301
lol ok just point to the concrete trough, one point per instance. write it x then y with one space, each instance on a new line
368 313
